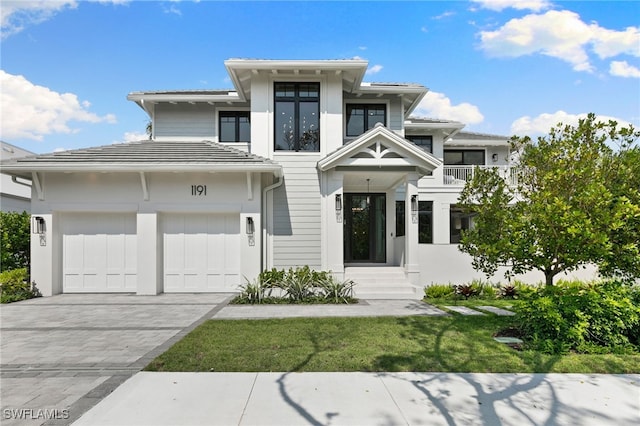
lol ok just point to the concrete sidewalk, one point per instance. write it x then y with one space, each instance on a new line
364 308
370 399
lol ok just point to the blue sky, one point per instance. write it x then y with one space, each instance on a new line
501 66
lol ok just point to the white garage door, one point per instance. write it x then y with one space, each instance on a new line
99 253
201 252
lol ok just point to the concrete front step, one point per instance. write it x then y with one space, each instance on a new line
382 282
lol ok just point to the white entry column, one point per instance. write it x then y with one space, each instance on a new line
412 255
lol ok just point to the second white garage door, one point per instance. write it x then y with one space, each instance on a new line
201 252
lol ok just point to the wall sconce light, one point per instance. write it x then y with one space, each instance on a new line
414 204
38 226
338 203
250 226
494 157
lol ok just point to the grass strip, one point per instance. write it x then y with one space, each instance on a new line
424 344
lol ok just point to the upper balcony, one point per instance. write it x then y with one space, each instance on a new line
459 175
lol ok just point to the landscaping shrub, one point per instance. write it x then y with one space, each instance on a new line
334 291
14 286
15 240
585 317
439 291
300 285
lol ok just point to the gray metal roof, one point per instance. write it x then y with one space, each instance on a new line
479 136
145 155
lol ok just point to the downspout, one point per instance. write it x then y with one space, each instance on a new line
264 216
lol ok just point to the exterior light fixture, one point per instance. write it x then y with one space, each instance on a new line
250 226
494 157
38 226
414 204
338 203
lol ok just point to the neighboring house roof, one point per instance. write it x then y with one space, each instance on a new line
8 187
390 150
145 156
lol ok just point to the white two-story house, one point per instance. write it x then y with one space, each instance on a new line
300 163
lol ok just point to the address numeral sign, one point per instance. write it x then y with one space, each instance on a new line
198 190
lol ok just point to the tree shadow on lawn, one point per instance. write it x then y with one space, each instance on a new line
510 390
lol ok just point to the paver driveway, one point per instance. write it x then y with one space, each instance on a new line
61 355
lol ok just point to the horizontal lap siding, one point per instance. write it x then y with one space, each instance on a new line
296 218
184 121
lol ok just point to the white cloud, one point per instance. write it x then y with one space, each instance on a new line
16 15
133 137
541 124
562 35
499 5
375 69
443 15
31 111
623 69
437 105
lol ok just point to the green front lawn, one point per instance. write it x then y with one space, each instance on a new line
443 344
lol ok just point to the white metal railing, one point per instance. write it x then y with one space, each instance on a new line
459 175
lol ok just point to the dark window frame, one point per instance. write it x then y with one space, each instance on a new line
425 222
463 152
237 115
365 124
415 138
400 218
466 222
295 94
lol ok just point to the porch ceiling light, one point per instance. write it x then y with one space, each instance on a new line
338 203
414 204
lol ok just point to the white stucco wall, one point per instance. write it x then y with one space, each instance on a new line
122 192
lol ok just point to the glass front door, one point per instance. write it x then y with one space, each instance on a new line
365 228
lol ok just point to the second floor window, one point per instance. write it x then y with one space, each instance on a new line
361 118
423 141
297 117
235 126
469 157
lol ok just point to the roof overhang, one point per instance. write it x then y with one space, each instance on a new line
25 171
241 70
446 127
469 139
411 94
380 149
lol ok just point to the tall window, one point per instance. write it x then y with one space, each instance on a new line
469 157
423 141
459 222
425 222
400 208
361 118
235 126
297 116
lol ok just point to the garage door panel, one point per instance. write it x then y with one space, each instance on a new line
99 252
200 255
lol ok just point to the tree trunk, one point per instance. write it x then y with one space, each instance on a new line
548 277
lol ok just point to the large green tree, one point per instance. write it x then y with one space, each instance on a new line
576 202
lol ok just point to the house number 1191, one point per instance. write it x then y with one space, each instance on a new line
198 190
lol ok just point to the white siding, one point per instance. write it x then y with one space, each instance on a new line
184 121
296 215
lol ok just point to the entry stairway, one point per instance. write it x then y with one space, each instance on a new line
382 282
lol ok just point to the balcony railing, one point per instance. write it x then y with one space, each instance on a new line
459 175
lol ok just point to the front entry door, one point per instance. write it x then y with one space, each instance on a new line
365 228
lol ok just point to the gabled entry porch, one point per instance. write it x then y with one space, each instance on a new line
363 184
